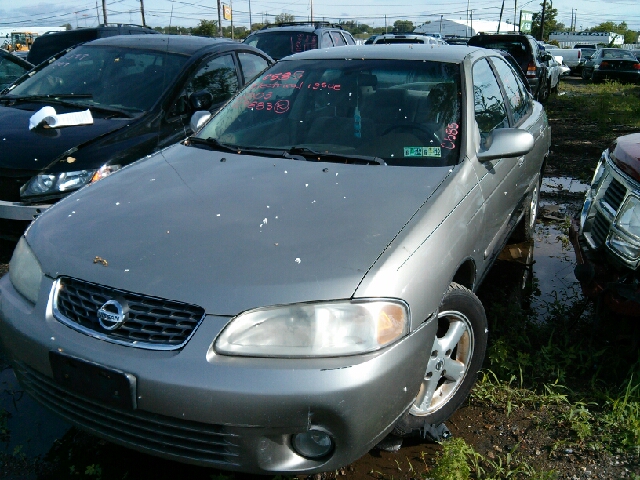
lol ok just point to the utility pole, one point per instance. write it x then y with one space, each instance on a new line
441 24
219 19
544 5
97 15
250 16
500 21
515 14
142 12
311 11
104 10
231 8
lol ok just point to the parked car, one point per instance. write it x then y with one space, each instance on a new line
47 45
571 57
612 64
12 67
279 292
408 37
554 71
141 93
282 39
606 237
526 50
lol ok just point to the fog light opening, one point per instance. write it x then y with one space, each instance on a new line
313 444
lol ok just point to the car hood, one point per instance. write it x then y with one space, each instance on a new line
627 155
231 232
35 149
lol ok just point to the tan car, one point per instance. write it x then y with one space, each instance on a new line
293 283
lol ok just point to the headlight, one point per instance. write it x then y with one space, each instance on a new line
625 237
25 272
628 219
64 182
315 329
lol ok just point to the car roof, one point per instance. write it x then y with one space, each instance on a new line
184 44
297 27
413 51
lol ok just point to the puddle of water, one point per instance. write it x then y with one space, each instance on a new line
554 185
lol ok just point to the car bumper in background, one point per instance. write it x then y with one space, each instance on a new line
599 280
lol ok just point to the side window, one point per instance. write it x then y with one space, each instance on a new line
217 76
347 36
515 90
490 110
337 38
326 40
251 65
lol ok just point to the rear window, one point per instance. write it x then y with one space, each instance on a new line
518 49
281 44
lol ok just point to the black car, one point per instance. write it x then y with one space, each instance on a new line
51 43
12 67
525 49
282 39
141 91
612 64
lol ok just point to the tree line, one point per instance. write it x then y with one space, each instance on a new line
209 28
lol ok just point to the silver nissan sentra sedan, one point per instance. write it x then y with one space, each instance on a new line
293 283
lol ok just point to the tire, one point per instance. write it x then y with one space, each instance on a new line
543 95
460 346
526 228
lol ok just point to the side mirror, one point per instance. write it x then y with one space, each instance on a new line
201 100
506 142
198 119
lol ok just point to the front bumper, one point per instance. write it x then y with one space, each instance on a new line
232 413
20 211
599 280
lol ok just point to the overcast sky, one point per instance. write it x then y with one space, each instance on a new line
19 13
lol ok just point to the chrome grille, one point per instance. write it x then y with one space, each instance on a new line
614 195
152 322
203 443
599 229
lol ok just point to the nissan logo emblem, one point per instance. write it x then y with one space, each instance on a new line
111 315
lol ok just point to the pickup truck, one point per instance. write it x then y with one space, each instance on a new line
571 57
605 235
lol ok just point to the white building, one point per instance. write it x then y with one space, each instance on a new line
464 28
569 39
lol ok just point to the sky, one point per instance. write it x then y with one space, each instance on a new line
188 13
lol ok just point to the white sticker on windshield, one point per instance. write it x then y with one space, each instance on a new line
422 152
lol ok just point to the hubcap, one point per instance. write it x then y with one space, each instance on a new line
448 365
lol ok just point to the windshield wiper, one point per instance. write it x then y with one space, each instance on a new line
212 142
63 99
333 157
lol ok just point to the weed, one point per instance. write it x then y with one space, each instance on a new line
452 462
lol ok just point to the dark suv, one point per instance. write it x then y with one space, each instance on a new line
283 39
49 44
525 49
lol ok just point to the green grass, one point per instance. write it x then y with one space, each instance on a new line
605 105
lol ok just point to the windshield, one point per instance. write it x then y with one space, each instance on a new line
404 112
281 44
106 76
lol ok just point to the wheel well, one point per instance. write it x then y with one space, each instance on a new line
466 274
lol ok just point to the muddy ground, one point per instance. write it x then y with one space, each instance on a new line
37 445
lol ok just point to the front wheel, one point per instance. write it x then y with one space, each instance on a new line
456 357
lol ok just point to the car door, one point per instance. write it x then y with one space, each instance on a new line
498 177
217 75
526 115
